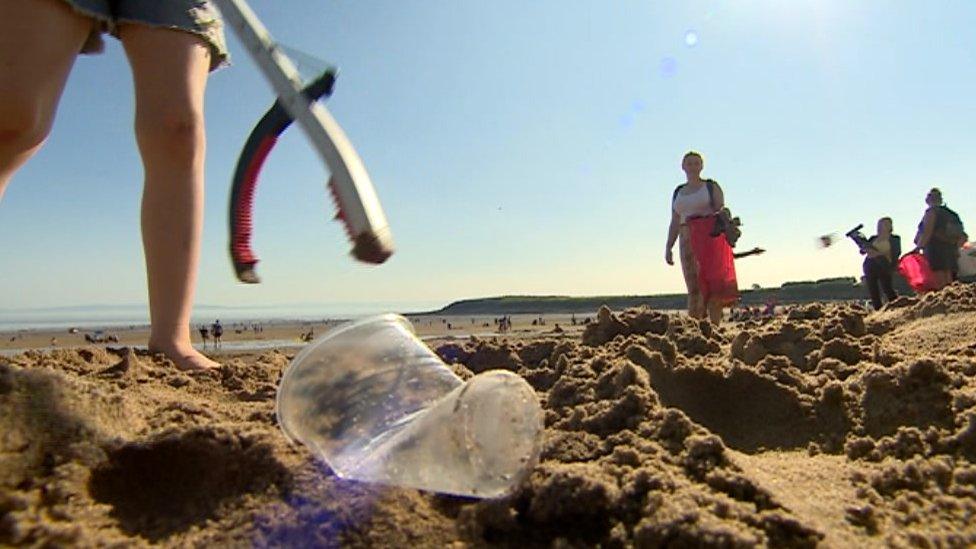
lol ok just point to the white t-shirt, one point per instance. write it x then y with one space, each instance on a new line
696 204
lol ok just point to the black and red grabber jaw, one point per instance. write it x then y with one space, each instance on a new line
368 246
256 150
349 182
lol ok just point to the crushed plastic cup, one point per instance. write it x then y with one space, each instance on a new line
376 404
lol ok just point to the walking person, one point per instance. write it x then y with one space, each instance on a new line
217 331
940 235
882 257
171 47
204 335
706 260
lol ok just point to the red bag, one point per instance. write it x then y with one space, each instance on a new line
716 266
915 268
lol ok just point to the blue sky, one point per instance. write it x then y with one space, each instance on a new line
529 147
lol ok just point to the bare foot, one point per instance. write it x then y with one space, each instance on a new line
185 357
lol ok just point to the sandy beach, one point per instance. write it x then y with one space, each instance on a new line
830 426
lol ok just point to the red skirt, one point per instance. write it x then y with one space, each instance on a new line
716 266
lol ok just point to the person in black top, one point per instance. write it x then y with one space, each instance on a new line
941 251
882 257
218 331
204 334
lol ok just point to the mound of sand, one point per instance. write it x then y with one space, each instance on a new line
831 425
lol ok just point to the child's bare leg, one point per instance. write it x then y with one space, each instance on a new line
39 40
170 70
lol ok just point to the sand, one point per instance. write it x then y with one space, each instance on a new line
830 427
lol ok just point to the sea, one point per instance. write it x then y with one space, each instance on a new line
95 317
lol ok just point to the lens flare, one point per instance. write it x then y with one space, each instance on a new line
668 67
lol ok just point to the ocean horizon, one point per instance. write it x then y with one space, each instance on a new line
116 316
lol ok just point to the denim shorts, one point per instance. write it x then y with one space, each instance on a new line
197 17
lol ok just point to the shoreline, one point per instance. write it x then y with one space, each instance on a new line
285 334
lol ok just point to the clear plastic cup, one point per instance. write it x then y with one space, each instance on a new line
373 401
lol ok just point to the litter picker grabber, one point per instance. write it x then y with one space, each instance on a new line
358 206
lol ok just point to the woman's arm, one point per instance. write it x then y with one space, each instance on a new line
672 237
928 227
895 248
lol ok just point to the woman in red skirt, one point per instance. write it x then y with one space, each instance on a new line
706 260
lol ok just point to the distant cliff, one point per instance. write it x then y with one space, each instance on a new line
828 289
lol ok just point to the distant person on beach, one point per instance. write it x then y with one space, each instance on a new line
204 335
940 235
881 262
217 331
171 46
706 261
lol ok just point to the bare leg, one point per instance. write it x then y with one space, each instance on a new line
696 308
39 40
170 70
689 270
715 312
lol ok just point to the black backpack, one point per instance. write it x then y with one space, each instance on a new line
949 227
